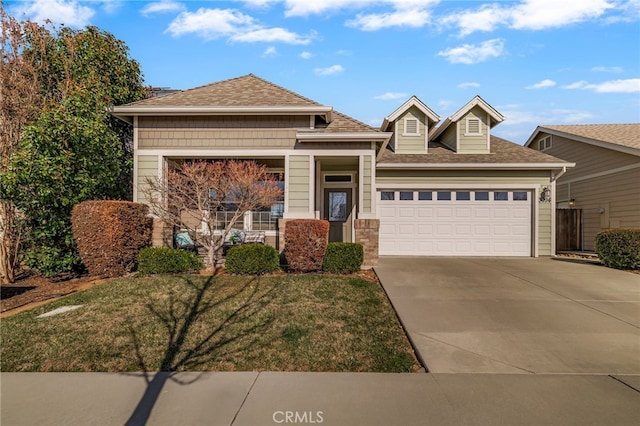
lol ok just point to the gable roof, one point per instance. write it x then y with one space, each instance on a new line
247 94
413 101
495 116
504 155
617 137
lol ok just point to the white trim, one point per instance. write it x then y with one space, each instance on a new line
251 153
600 174
342 136
553 218
312 122
135 160
412 101
436 185
477 100
360 184
286 185
299 215
536 220
467 132
474 166
488 133
374 187
426 136
312 184
404 130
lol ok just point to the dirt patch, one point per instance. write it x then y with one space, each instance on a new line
29 290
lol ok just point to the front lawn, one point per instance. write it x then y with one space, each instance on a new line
200 323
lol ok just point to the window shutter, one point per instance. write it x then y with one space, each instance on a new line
473 126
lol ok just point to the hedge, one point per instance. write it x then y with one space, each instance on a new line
165 260
619 248
305 243
110 234
252 259
343 258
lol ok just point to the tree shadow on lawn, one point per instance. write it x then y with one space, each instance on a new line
179 317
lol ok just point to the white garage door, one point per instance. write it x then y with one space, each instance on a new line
455 223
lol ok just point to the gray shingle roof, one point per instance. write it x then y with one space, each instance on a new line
618 134
502 152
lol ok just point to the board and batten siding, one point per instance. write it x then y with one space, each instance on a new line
473 144
147 168
411 143
493 179
298 184
227 132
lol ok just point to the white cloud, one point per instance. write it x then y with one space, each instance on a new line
473 54
414 18
529 15
542 85
303 8
270 52
333 69
237 26
613 70
271 35
67 12
306 55
630 85
389 96
163 6
468 85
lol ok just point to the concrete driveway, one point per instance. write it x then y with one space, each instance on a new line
516 315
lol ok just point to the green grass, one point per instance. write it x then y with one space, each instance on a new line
198 323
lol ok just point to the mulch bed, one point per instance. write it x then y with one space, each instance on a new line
29 289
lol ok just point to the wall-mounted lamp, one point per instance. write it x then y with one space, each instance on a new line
572 202
601 210
545 195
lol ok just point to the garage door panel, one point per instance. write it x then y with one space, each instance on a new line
456 227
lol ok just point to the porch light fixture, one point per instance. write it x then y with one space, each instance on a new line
545 195
572 202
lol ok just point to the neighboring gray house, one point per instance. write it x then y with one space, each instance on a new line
408 188
603 190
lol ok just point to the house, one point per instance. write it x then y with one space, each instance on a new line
603 190
410 187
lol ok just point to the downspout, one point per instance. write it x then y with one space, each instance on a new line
558 176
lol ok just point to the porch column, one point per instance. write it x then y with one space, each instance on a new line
367 233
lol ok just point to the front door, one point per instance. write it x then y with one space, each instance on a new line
337 210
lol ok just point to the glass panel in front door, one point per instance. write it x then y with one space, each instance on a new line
338 206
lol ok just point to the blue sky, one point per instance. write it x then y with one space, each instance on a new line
536 61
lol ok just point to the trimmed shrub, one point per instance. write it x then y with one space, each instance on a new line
619 248
343 258
305 243
109 235
165 260
252 259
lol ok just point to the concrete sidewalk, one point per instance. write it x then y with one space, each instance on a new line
317 398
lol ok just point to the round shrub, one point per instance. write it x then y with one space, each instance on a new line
619 248
163 260
252 259
343 258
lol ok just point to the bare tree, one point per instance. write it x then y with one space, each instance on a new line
191 194
20 103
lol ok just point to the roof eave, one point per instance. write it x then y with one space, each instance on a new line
474 166
343 136
596 142
130 111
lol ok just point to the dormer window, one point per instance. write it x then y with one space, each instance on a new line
411 127
544 143
473 126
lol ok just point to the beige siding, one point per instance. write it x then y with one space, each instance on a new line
411 144
610 201
219 132
449 137
473 144
366 185
320 146
298 183
537 178
589 159
147 168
